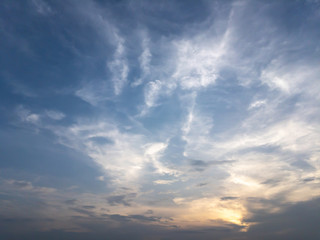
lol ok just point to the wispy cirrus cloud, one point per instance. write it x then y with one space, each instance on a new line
118 66
42 7
204 112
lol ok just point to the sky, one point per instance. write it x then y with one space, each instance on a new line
160 119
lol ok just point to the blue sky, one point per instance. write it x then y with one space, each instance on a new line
159 119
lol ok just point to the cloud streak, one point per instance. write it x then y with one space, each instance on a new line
198 120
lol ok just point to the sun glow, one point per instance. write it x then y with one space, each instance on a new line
209 212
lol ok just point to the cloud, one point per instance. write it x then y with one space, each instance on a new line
94 92
42 7
28 186
121 199
229 198
163 181
37 119
205 112
118 66
89 207
200 165
26 115
293 78
152 92
257 104
284 224
149 211
144 59
101 140
123 155
20 88
55 115
198 64
82 211
71 201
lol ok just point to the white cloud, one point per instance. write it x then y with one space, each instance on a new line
26 115
191 63
154 152
33 118
145 57
198 63
292 78
118 66
42 7
144 60
152 92
117 62
257 104
190 101
164 182
101 178
125 159
55 115
195 129
88 96
95 92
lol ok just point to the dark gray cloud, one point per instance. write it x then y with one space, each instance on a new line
71 201
124 199
298 221
82 211
89 207
303 165
202 184
310 179
228 198
149 211
200 165
273 182
145 218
